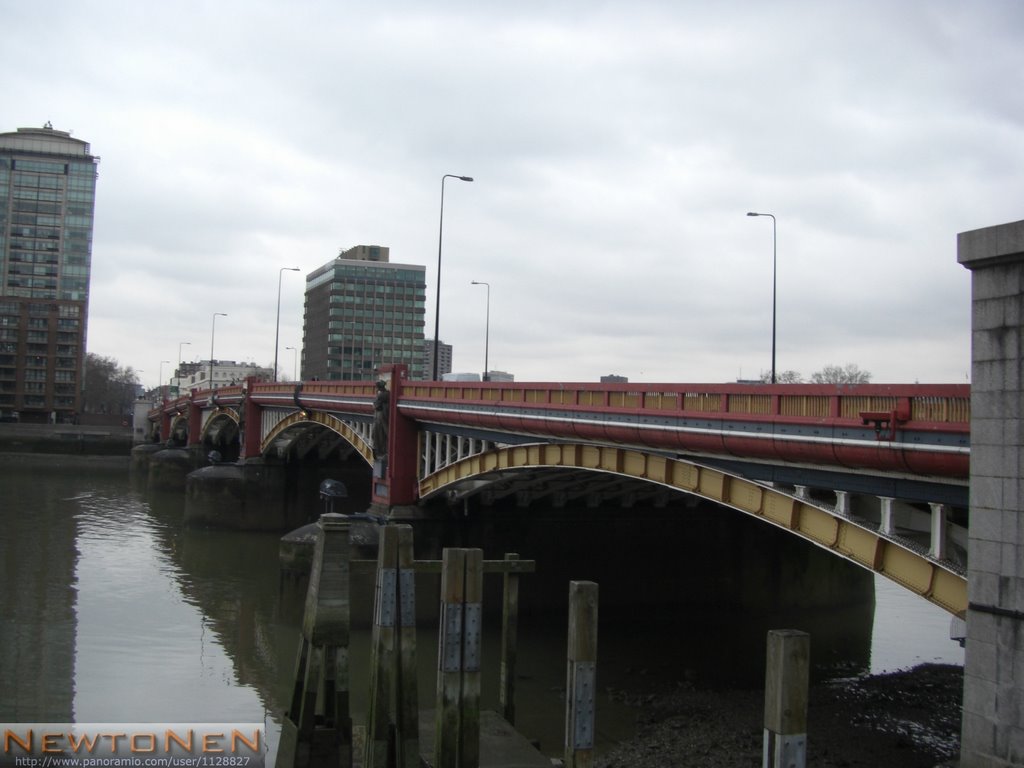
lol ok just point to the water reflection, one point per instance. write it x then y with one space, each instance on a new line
38 531
112 611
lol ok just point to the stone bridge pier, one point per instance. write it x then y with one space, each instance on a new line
993 705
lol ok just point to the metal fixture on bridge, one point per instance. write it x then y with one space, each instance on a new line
440 232
884 422
774 250
331 490
277 331
487 324
213 330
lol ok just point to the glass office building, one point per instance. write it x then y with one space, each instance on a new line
47 196
362 312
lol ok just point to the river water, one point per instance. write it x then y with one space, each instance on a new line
111 611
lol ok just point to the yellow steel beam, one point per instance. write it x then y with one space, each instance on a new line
332 423
841 536
222 412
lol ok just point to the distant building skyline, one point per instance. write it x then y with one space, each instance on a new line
225 373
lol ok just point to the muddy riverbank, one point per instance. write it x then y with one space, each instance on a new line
905 719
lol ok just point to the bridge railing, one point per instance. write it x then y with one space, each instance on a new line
945 405
940 404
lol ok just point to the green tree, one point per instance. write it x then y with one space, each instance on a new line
850 373
108 387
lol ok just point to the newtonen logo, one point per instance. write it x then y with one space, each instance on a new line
142 744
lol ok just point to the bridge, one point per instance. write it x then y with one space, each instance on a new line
876 474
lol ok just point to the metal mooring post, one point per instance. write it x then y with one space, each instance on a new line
311 738
581 675
785 698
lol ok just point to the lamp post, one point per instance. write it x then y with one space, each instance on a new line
213 330
487 324
177 371
180 345
161 378
277 332
774 262
295 363
440 232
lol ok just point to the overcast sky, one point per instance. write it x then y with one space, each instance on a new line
616 149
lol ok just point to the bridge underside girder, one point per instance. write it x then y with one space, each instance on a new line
560 472
559 488
303 444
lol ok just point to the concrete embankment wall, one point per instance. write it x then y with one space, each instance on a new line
65 439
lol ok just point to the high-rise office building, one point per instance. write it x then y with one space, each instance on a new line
47 196
444 358
361 312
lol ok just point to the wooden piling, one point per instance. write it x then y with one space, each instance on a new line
408 704
393 720
457 735
509 642
379 733
581 675
321 668
787 670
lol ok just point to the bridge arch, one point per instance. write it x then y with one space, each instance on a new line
178 430
221 429
305 420
834 532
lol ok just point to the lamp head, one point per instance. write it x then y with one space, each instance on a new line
751 213
466 178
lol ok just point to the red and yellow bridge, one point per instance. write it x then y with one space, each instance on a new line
874 473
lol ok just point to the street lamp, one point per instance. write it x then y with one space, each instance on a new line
213 330
277 333
487 324
177 371
440 232
295 363
774 261
180 345
161 378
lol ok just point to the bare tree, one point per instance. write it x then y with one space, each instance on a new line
851 373
782 377
108 388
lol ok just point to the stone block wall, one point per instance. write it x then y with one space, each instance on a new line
993 707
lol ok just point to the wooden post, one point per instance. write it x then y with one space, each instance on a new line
472 644
407 706
581 675
785 699
322 661
393 721
509 642
382 651
457 738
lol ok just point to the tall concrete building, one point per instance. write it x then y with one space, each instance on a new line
361 312
47 196
444 358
